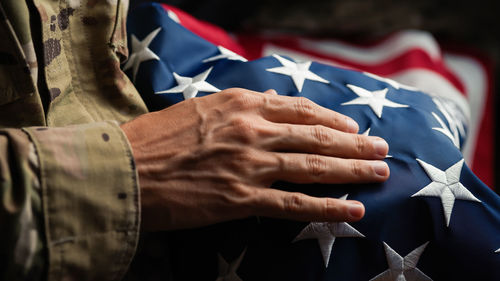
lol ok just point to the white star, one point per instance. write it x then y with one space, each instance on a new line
454 137
227 272
299 72
189 86
375 99
326 232
455 123
402 269
446 185
141 52
394 84
225 54
367 132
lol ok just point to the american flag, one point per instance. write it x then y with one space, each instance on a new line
433 219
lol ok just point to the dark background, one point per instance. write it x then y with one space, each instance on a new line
462 23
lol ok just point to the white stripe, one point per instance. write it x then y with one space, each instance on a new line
393 47
270 49
434 84
474 78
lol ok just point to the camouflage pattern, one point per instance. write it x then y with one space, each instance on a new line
69 195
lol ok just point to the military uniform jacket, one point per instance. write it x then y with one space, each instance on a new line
69 197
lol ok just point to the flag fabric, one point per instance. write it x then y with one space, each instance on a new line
412 57
433 219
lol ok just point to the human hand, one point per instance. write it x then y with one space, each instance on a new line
214 158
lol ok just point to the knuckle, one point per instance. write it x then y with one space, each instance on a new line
248 164
337 121
244 129
329 208
293 203
280 161
232 92
242 192
304 108
243 157
316 166
239 196
244 100
360 144
335 210
229 94
322 136
356 168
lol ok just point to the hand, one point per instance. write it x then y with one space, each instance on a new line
213 159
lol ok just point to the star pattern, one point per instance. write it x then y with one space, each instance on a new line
402 269
190 86
227 272
141 52
375 99
445 185
325 233
225 54
299 72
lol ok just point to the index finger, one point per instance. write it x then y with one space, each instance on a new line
300 110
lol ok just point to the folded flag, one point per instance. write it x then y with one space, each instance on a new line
411 57
433 219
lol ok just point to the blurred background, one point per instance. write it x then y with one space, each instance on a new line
473 25
465 22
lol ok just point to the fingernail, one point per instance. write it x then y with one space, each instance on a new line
352 125
380 168
381 147
356 209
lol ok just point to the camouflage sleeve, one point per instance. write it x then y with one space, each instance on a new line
85 210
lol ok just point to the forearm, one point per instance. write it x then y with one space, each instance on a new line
88 201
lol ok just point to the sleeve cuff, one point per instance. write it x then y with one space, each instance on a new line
90 198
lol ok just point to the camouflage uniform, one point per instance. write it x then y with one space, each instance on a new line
69 198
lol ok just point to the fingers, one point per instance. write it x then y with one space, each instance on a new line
284 109
297 206
312 168
325 141
299 110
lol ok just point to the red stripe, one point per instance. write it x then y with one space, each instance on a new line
484 154
412 59
207 31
